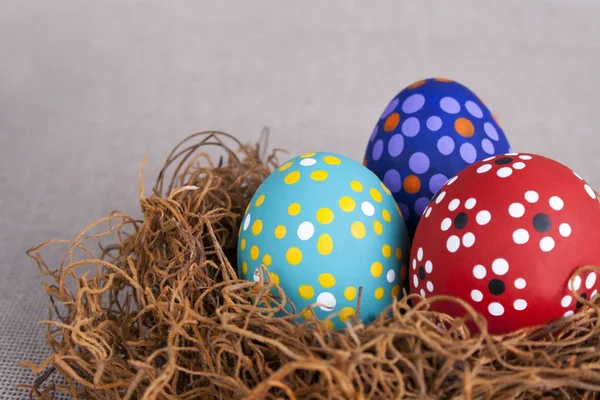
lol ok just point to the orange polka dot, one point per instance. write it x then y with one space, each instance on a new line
403 272
416 84
495 120
391 122
412 184
443 79
365 162
464 127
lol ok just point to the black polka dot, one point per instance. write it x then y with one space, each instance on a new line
541 222
496 287
503 160
580 304
460 221
422 273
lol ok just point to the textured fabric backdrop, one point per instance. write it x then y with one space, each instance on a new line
87 88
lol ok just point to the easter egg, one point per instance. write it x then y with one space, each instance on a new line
428 133
325 226
505 235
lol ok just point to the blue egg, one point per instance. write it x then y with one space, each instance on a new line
428 133
325 226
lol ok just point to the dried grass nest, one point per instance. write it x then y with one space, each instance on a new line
158 312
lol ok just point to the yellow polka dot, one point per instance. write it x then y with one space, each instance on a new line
377 228
386 250
267 260
292 177
398 211
306 292
331 160
358 230
293 255
318 175
379 293
325 244
327 280
324 216
260 200
294 209
385 189
398 253
356 186
396 291
346 313
243 244
286 166
280 231
347 204
375 195
257 227
274 278
386 215
306 155
244 268
376 269
307 313
329 324
350 293
254 252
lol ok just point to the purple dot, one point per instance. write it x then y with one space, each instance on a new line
490 130
413 103
445 145
419 163
396 145
411 126
434 123
487 146
377 149
392 180
404 210
420 205
450 105
436 182
374 133
390 107
473 109
468 153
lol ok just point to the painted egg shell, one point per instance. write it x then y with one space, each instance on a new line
428 133
324 225
505 235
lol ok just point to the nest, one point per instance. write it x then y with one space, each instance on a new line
158 312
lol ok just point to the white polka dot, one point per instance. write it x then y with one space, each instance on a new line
500 266
576 283
484 168
453 243
470 203
525 157
473 109
428 212
446 224
496 309
247 221
590 280
520 283
516 210
423 294
520 236
564 229
326 301
413 103
256 276
593 295
483 217
577 175
568 314
520 304
468 239
440 197
546 244
479 272
556 203
430 286
391 275
414 263
415 281
305 231
307 162
452 180
510 154
476 295
420 254
491 131
453 205
519 165
449 105
367 208
428 266
589 191
566 301
531 196
489 158
504 172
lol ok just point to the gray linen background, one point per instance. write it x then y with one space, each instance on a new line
87 88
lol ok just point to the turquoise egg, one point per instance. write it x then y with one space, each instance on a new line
324 226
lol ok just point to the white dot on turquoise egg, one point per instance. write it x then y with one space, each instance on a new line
307 162
306 230
367 208
391 275
491 131
413 103
326 301
434 123
473 109
247 221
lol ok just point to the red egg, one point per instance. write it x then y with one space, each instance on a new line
505 235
